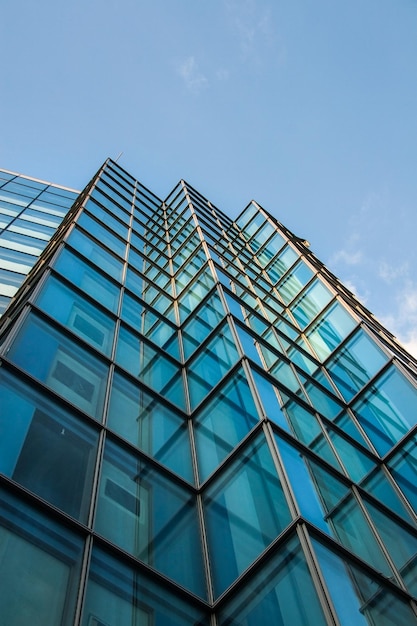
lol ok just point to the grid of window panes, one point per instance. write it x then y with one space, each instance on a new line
30 212
197 428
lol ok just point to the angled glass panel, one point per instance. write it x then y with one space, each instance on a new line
123 595
77 314
355 364
65 367
223 423
356 463
101 233
245 509
96 254
403 467
308 430
201 324
303 485
293 283
311 303
401 543
39 567
194 294
357 597
148 424
282 593
150 366
81 274
330 330
40 442
281 264
211 365
388 410
150 517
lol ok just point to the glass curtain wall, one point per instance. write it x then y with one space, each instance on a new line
200 425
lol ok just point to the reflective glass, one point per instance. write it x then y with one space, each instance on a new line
223 423
150 517
39 442
201 324
119 594
150 366
388 410
294 282
328 332
245 509
95 253
282 593
403 467
39 567
104 236
61 364
311 303
355 364
82 318
211 365
148 424
359 599
95 284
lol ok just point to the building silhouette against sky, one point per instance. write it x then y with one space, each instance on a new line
198 423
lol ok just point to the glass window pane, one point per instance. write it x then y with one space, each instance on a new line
124 596
150 517
96 254
245 509
211 365
39 442
82 318
151 426
39 567
330 330
282 593
388 410
88 279
223 423
359 599
356 363
61 364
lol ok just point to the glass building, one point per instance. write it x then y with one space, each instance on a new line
199 425
30 212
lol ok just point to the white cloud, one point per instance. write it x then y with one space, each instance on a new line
194 80
390 273
362 296
255 30
346 256
402 322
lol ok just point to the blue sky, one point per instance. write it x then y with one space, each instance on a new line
307 106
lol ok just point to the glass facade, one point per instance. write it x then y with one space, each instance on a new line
30 213
199 424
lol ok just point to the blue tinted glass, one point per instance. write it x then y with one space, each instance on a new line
282 594
39 567
95 253
95 284
355 364
61 364
82 318
151 517
126 596
388 410
39 442
148 424
245 509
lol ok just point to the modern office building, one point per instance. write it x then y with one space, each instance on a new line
199 425
30 212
